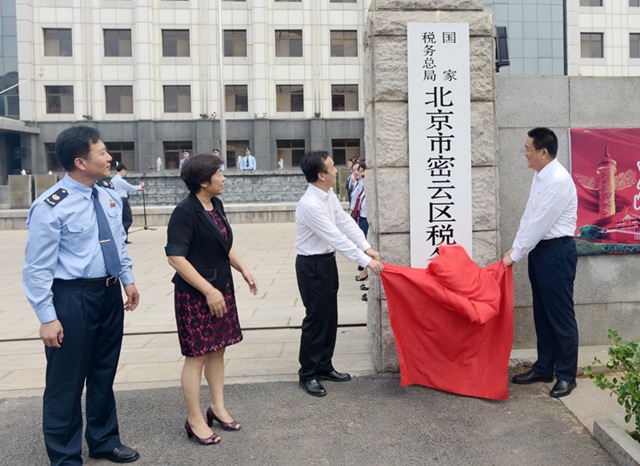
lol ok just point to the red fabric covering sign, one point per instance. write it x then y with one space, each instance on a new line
453 323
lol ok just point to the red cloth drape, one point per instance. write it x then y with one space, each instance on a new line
453 323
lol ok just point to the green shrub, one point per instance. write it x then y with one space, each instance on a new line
625 359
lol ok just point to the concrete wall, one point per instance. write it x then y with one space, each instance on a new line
606 288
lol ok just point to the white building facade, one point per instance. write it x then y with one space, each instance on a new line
157 76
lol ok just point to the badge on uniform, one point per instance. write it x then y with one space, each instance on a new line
56 197
105 183
111 203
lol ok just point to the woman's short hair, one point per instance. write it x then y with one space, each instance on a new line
199 169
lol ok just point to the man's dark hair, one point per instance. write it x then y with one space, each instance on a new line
312 164
200 169
544 138
120 167
215 150
362 166
75 142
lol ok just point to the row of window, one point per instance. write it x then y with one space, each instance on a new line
176 43
591 2
592 45
289 150
177 99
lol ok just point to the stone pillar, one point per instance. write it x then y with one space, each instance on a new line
386 139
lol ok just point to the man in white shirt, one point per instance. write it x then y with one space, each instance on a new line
322 228
248 161
183 160
546 236
123 188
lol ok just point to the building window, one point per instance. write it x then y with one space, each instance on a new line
344 97
344 149
177 99
53 164
117 42
344 43
590 2
289 43
235 43
57 43
122 152
634 45
634 2
235 149
59 99
290 151
290 98
119 99
10 104
172 151
591 45
175 43
236 98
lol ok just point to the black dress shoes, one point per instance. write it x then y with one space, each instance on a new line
334 376
312 387
530 377
562 388
121 454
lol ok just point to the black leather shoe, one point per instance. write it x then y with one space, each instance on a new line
121 454
334 376
312 387
562 388
530 377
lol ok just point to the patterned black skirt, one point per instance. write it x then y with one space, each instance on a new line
199 331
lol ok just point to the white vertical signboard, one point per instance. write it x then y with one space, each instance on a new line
439 138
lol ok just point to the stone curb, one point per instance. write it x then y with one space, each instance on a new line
617 442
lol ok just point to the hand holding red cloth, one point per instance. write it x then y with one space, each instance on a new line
453 323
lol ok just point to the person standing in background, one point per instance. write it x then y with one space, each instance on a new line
183 160
123 188
248 162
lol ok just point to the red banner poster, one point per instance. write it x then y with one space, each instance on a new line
605 165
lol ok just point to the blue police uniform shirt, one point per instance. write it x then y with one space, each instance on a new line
63 241
122 187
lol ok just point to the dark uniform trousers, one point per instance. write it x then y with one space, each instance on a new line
552 271
127 214
92 320
318 284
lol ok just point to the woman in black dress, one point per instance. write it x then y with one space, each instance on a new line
199 248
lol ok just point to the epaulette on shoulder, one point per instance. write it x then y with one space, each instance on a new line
105 183
56 197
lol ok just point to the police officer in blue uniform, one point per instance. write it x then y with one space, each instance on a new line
75 260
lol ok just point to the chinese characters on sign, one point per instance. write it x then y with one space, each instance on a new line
439 138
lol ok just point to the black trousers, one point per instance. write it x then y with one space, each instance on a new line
552 271
318 284
92 320
127 214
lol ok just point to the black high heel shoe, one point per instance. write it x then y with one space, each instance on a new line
212 440
231 426
361 279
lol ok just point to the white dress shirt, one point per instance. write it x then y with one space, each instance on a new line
123 187
322 226
551 210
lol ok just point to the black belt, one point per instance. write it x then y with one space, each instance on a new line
322 256
103 282
561 240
